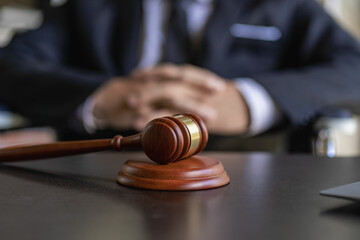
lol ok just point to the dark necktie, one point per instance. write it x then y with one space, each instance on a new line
177 44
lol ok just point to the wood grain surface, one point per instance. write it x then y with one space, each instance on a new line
194 173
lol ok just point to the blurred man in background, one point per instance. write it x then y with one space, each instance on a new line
244 66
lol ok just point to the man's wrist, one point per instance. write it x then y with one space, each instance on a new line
264 113
86 114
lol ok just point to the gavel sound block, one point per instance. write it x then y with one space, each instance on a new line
164 140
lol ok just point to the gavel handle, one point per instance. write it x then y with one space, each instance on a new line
59 149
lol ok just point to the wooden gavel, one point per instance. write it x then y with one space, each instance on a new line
163 140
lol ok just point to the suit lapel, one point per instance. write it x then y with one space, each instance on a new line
112 29
95 31
127 46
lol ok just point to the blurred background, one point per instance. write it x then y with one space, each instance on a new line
22 15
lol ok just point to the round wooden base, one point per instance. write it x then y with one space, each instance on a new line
194 173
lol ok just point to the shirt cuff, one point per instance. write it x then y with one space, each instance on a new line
86 116
264 113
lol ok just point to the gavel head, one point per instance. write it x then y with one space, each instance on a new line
169 139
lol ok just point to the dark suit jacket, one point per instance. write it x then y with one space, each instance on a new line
47 73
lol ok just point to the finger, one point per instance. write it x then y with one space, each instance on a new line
121 120
141 121
176 97
189 74
140 94
180 104
166 71
162 93
202 78
205 111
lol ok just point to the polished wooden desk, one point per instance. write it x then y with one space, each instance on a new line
269 197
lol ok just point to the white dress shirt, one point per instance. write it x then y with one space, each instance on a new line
263 111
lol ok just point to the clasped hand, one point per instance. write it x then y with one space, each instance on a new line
125 103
